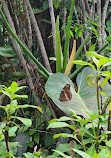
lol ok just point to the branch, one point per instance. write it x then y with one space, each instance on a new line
83 10
99 22
87 7
29 27
51 10
38 34
93 9
103 19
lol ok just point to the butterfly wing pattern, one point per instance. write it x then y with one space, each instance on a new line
65 94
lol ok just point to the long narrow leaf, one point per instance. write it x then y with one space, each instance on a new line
83 63
69 65
58 48
81 153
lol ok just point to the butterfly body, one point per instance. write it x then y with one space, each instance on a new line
66 94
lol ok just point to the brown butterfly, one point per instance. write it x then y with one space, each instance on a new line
66 93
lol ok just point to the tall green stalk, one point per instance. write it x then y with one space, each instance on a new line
22 45
59 56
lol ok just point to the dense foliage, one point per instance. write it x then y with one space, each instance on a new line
57 53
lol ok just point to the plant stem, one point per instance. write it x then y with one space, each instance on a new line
83 143
97 89
22 45
97 139
7 141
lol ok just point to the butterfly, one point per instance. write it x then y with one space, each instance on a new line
66 94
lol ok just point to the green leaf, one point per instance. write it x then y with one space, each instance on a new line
5 92
92 53
19 96
64 118
29 155
95 155
21 88
26 122
3 107
65 135
45 5
83 63
103 94
58 125
39 109
62 154
103 61
71 33
105 81
94 23
13 106
108 143
52 58
90 83
92 47
95 60
54 86
13 87
37 137
81 153
58 48
83 129
106 73
7 52
95 31
91 150
12 131
107 64
36 11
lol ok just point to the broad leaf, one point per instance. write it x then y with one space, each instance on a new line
54 86
84 98
25 121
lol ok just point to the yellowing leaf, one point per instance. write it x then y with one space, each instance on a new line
69 65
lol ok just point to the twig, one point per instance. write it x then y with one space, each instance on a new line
72 153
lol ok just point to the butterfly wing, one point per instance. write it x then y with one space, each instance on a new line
66 93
